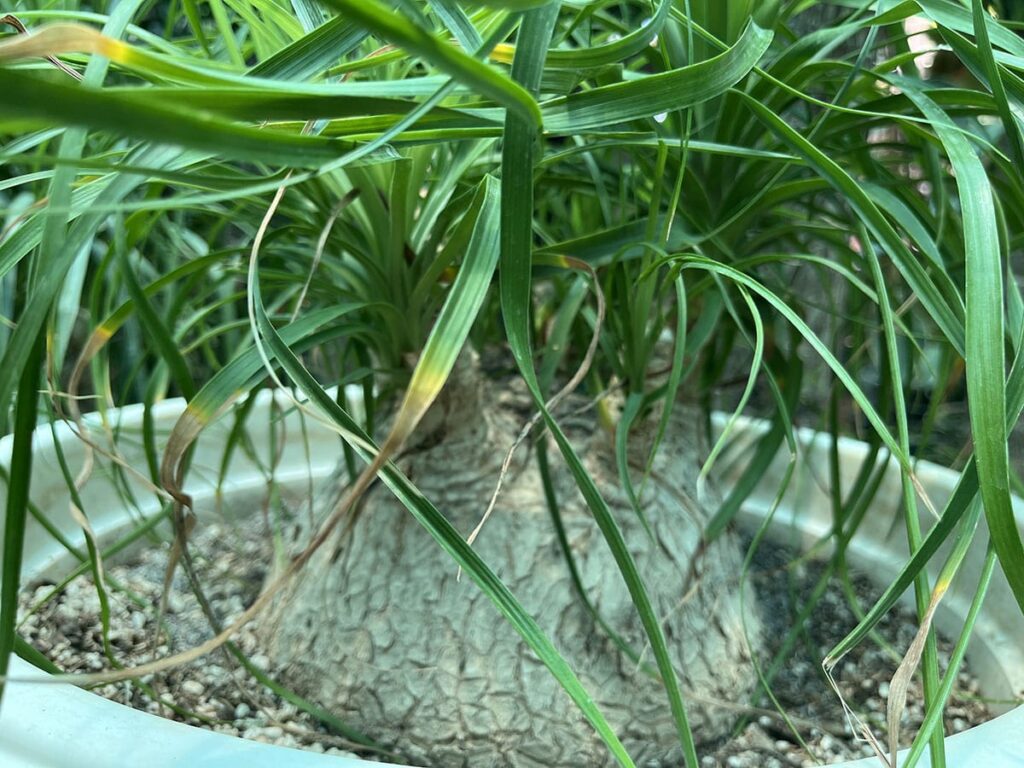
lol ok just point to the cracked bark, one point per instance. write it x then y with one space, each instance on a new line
378 630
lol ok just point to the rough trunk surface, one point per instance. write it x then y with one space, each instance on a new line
378 630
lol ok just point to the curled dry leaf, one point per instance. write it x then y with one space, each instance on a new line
13 21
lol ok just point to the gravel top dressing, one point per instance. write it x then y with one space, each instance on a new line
215 692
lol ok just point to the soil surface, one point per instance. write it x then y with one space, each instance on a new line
232 560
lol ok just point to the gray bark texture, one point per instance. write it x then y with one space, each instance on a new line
378 630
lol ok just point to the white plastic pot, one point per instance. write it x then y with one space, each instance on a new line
49 724
879 549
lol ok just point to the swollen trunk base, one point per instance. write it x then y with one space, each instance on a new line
378 630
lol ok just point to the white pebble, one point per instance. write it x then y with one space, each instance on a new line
193 688
175 603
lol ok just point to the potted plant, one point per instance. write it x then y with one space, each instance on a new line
525 231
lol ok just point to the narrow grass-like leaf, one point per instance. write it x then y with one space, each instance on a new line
518 155
697 262
959 503
924 647
157 330
310 14
1011 124
29 653
36 311
748 390
164 122
29 371
228 384
452 327
106 328
78 514
595 56
461 66
630 411
956 16
768 446
944 309
611 104
949 680
314 52
985 351
16 510
254 105
570 560
458 23
675 376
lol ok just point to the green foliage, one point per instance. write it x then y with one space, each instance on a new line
774 190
